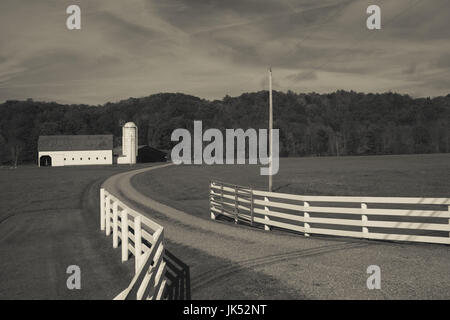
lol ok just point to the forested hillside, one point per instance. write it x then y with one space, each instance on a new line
340 123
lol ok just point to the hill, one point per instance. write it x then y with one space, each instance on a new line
339 123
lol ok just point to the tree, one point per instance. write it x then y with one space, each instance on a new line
16 147
4 153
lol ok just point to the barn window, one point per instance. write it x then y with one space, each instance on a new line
105 158
97 158
89 158
81 158
73 159
65 159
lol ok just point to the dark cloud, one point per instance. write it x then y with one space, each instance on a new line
424 20
195 15
124 29
302 76
411 69
443 61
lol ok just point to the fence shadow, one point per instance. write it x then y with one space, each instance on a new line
178 285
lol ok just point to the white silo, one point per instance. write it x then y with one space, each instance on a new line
129 143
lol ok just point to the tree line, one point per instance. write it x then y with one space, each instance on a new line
313 124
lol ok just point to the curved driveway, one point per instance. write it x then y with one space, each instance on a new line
232 262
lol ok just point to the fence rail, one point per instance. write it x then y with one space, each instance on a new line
141 237
382 218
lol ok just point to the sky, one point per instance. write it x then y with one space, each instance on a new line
211 48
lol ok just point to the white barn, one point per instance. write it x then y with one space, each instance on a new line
65 150
81 150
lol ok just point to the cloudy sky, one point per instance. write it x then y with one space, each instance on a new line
210 48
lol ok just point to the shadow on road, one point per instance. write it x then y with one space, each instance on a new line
178 276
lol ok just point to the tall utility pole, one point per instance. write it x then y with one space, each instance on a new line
270 129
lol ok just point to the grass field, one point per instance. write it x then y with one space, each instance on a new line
46 225
409 270
186 187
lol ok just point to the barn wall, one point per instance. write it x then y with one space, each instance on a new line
79 158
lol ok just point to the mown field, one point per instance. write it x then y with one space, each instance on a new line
186 187
409 270
46 224
48 221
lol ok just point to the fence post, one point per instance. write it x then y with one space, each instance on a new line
306 216
251 206
236 203
364 221
124 232
213 215
221 198
108 215
115 225
102 209
266 227
137 242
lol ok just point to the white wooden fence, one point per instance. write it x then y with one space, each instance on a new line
141 237
383 218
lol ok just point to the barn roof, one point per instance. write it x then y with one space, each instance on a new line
75 143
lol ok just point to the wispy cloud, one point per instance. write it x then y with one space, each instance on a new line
213 48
